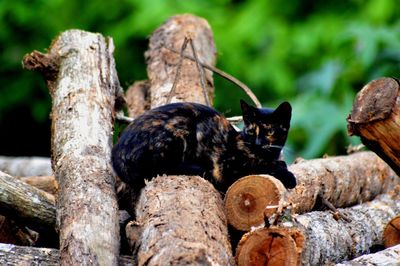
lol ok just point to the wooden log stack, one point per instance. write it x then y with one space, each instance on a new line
183 219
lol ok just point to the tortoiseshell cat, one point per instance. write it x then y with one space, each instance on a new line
193 139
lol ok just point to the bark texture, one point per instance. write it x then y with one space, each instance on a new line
342 180
26 204
25 166
329 240
17 255
162 62
182 223
389 256
376 119
83 91
326 239
137 98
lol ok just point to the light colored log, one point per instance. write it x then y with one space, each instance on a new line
25 203
386 257
326 239
342 180
25 166
182 223
18 255
162 62
84 86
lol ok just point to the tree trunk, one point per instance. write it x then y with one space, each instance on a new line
342 180
328 240
25 166
162 62
182 222
17 255
389 256
137 98
376 119
80 72
180 218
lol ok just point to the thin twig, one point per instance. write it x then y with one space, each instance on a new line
178 70
201 72
223 75
333 208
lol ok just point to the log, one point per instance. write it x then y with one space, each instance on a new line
26 204
137 98
389 256
328 240
342 180
270 246
376 119
84 86
186 211
248 199
48 184
391 234
25 166
162 62
182 222
18 255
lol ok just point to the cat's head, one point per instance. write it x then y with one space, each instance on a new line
266 128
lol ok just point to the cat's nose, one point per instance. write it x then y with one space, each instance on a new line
258 141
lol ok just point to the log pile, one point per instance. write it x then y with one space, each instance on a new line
68 213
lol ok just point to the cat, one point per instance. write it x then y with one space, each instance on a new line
194 139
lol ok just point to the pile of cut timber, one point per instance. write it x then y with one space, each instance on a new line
74 213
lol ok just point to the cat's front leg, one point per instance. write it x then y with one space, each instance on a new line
279 170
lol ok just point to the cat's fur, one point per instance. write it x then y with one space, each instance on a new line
193 139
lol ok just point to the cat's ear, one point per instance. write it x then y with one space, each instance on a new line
284 111
248 111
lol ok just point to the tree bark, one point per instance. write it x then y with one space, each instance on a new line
182 222
17 255
376 119
389 256
25 166
342 180
179 218
162 62
83 84
328 240
26 204
137 98
13 233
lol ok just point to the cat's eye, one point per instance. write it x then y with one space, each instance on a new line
270 132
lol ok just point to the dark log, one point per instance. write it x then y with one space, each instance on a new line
376 119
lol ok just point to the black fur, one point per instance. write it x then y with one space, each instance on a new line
193 139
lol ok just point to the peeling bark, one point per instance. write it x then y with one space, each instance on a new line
83 94
182 222
162 62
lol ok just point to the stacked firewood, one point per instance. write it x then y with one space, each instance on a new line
342 208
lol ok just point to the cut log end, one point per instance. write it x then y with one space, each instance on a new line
272 246
247 200
391 234
376 119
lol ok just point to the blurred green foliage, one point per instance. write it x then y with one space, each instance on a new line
316 54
